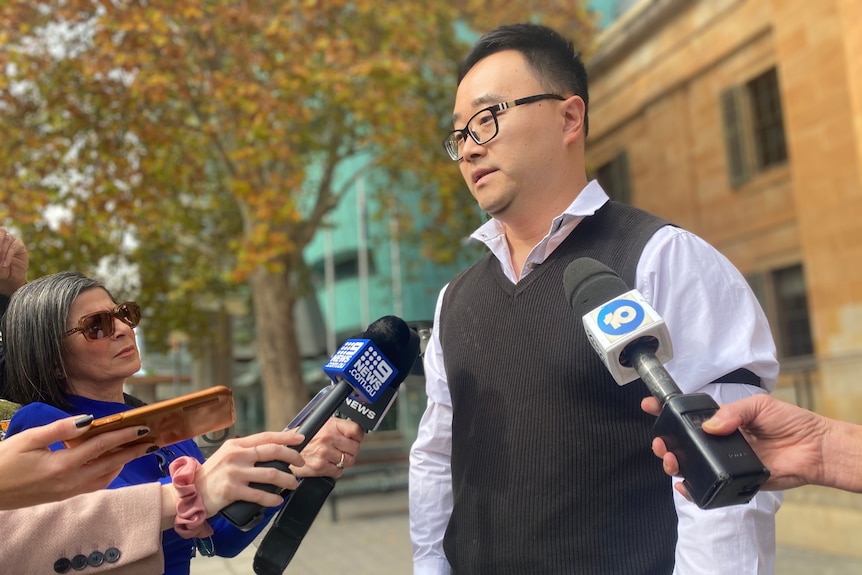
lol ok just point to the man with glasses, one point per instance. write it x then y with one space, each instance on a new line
529 457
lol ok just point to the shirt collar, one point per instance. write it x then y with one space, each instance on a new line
493 234
586 203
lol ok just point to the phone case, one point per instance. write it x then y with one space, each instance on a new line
171 420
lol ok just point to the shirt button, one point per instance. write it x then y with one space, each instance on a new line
79 562
62 565
96 558
112 554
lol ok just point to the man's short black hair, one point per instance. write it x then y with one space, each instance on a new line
553 58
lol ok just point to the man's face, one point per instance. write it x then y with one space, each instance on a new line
502 173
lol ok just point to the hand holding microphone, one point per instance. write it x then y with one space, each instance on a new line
397 342
633 341
367 366
334 449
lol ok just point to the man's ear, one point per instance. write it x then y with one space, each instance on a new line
573 126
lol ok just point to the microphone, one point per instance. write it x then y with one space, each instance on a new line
362 365
633 341
293 521
369 411
369 416
624 324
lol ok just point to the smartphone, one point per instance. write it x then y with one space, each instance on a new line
171 420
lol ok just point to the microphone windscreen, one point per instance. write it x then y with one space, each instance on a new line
589 284
398 343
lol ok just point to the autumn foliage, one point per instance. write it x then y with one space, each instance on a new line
206 140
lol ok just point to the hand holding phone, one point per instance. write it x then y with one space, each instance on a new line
172 420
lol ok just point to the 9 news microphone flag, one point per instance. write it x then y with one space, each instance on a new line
400 344
361 365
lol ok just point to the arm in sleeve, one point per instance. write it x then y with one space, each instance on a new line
230 541
430 485
128 520
34 415
717 326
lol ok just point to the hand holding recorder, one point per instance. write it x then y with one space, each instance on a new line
633 341
228 474
800 447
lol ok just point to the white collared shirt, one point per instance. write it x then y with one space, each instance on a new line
716 326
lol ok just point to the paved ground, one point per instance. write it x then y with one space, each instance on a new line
371 538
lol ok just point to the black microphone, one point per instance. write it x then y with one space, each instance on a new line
293 521
362 365
369 416
633 341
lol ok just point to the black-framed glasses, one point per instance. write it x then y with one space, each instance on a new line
483 126
100 324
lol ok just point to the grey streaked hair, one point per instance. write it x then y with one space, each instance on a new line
34 334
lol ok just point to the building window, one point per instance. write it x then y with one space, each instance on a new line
784 298
614 178
767 124
791 300
753 127
346 265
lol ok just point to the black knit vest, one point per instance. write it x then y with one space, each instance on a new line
552 471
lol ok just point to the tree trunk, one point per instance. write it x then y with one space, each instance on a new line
284 391
214 365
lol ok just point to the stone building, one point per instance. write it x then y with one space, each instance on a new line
741 120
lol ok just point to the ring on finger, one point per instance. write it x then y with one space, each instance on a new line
340 464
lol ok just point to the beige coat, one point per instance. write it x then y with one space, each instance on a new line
116 530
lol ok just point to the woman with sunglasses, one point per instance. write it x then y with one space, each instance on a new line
70 348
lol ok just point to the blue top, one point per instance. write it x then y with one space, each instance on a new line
226 541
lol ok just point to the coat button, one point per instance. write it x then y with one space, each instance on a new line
79 562
96 558
112 554
62 565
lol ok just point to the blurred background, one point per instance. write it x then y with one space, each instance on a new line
266 177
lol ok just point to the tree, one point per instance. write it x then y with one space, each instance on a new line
201 139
